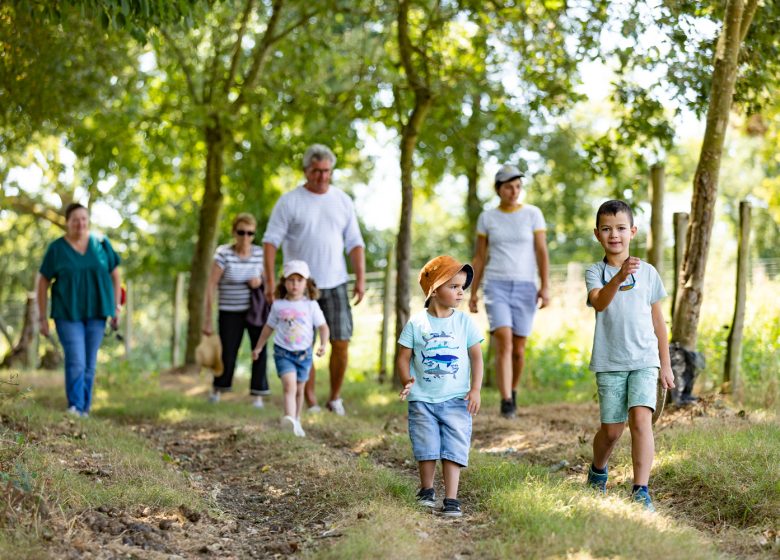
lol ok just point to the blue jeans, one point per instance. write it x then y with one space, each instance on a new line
440 430
80 342
289 361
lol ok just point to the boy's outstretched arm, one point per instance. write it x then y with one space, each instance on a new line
473 396
403 357
659 325
600 298
265 334
324 337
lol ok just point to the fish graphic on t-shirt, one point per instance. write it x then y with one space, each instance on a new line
441 347
437 372
431 336
444 359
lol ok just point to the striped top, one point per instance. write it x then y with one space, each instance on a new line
236 272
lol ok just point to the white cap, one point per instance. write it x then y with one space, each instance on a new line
508 173
296 267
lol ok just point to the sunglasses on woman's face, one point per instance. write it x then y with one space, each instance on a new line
243 232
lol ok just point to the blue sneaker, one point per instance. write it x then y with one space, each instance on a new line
642 496
598 481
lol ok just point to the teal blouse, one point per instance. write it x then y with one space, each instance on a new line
81 284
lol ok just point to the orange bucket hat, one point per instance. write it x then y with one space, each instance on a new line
438 270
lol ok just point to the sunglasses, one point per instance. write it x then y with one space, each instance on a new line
623 287
243 232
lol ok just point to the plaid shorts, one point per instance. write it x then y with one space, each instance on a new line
334 303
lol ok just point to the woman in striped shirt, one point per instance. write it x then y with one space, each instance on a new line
237 268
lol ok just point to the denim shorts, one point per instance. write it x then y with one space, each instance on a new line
298 361
620 391
440 431
511 304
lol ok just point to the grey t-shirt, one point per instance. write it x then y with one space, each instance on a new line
624 339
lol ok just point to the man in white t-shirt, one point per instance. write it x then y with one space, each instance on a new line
316 223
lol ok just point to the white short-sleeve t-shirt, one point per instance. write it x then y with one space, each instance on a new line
294 323
440 364
317 229
510 235
624 338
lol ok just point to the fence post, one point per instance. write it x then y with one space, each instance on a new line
178 303
387 311
129 319
655 241
731 382
680 222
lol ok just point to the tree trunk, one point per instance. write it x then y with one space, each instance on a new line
25 353
705 182
471 156
731 384
473 203
655 241
207 234
680 222
409 136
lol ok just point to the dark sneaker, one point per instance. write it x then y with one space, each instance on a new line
451 508
507 408
514 399
426 497
598 481
642 496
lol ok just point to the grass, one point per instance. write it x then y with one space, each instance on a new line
715 472
724 473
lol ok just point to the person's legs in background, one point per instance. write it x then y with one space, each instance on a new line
72 335
258 386
231 331
94 330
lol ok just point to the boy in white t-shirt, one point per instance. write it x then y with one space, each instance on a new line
439 360
294 315
630 348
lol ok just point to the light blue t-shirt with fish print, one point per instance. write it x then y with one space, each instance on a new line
440 361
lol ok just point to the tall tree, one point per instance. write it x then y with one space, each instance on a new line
736 24
249 61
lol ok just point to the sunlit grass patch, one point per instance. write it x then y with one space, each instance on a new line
720 472
384 530
538 515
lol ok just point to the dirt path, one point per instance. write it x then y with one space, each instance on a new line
265 507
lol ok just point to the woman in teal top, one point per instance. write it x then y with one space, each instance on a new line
82 270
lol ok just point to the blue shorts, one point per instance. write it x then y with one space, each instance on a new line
620 391
511 304
298 361
440 431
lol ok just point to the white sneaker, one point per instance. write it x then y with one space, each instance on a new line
258 402
298 429
214 397
337 406
314 409
288 424
73 411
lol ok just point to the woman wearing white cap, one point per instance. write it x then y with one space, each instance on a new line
511 249
294 315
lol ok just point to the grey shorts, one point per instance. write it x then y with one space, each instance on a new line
510 303
334 303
